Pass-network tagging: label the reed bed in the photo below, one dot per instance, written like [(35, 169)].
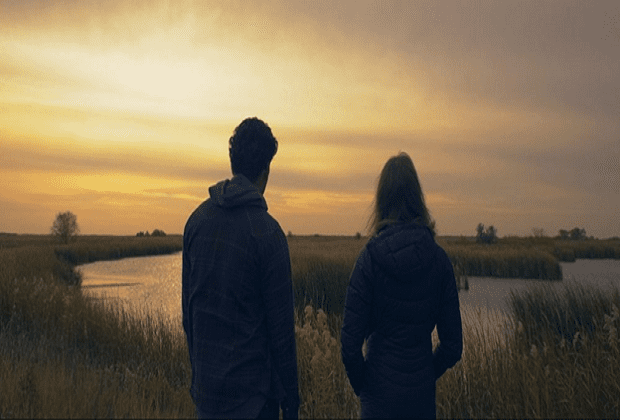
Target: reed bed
[(63, 354), (111, 248), (525, 367), (31, 262), (321, 282), (325, 391), (90, 241), (50, 376), (569, 251), (549, 314), (505, 261), (512, 259), (42, 255)]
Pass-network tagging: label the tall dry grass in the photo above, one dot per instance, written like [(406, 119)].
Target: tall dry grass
[(65, 355), (505, 261), (86, 250), (509, 258), (524, 367), (553, 355), (569, 251), (323, 385), (44, 376), (90, 241)]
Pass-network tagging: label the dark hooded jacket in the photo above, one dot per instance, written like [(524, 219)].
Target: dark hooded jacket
[(237, 301), (402, 286)]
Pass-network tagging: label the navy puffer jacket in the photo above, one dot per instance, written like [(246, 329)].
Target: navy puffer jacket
[(402, 286)]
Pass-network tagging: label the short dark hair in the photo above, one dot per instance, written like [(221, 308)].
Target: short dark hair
[(251, 148)]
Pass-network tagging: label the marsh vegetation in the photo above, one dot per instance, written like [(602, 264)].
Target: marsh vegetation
[(63, 354)]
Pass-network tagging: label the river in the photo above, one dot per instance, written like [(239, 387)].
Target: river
[(154, 283)]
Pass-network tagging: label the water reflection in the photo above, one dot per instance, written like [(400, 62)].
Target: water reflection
[(155, 282), (492, 293), (152, 282)]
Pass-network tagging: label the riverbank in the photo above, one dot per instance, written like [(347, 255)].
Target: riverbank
[(41, 256), (112, 248), (64, 355)]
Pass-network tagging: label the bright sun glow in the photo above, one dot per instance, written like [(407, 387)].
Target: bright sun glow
[(114, 104)]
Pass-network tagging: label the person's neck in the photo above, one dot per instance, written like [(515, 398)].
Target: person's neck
[(260, 183)]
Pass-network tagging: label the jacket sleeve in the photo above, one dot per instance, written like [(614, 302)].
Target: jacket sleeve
[(280, 312), (449, 327), (357, 317)]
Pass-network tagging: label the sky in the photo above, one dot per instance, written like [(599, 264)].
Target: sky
[(120, 112)]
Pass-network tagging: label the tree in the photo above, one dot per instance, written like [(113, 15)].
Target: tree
[(574, 234), (487, 237), (65, 227), (158, 232), (577, 234), (538, 232), (479, 232)]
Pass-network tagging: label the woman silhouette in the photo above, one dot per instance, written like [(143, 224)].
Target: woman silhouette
[(402, 286)]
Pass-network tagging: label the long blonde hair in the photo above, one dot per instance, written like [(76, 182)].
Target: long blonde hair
[(399, 197)]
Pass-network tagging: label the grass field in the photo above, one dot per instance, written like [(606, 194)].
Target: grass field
[(64, 355)]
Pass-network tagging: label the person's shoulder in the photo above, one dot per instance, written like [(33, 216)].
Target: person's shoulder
[(442, 260), (264, 224), (198, 214), (441, 253), (267, 236)]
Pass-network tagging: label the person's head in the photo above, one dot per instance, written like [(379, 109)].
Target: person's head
[(399, 196), (251, 148)]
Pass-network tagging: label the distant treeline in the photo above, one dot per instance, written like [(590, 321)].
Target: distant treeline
[(156, 232)]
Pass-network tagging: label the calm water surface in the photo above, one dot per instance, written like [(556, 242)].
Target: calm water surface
[(154, 283)]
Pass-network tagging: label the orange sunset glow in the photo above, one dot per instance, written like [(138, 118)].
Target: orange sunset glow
[(121, 111)]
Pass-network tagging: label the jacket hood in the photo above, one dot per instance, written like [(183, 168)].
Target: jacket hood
[(401, 250), (235, 192)]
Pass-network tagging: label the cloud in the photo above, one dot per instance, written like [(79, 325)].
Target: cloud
[(509, 108), (379, 66), (550, 53)]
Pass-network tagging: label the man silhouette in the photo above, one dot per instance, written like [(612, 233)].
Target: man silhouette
[(237, 295)]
